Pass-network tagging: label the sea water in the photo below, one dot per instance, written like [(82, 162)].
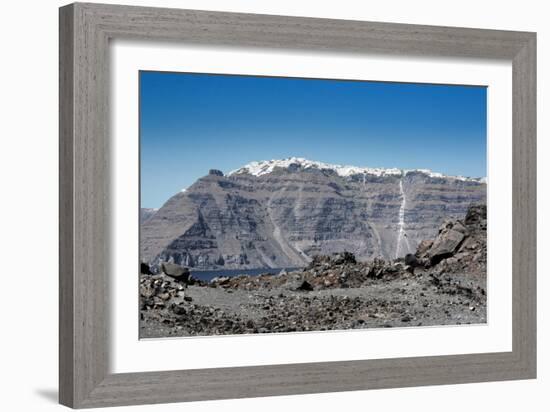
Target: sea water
[(208, 275)]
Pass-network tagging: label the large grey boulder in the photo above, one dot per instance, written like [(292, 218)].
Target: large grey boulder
[(175, 271), (423, 248), (446, 243)]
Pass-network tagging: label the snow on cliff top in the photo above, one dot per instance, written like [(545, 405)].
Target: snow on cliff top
[(267, 166)]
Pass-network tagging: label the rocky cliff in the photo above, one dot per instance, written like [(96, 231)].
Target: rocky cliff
[(145, 214), (282, 213)]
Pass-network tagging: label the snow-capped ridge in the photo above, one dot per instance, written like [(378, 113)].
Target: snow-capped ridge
[(268, 166)]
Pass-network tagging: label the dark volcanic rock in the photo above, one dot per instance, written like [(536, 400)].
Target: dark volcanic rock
[(343, 258), (305, 286), (145, 269), (460, 245), (445, 244), (411, 260)]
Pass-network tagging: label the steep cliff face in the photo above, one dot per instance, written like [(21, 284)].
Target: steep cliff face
[(281, 213)]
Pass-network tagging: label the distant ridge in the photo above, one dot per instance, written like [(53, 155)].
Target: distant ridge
[(268, 166)]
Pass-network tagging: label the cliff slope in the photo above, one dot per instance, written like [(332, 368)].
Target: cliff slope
[(282, 213)]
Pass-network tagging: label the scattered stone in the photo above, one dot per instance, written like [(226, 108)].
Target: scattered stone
[(220, 280), (145, 269), (305, 286), (179, 310), (343, 258), (146, 290), (178, 272)]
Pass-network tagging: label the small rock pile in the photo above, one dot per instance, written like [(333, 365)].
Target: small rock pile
[(340, 270), (156, 290)]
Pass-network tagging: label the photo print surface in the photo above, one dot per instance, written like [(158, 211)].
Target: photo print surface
[(277, 205)]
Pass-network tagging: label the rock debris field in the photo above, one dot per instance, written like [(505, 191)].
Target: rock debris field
[(443, 283)]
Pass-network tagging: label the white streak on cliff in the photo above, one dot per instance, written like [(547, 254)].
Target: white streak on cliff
[(401, 234)]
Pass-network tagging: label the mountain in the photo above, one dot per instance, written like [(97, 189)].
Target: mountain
[(281, 213)]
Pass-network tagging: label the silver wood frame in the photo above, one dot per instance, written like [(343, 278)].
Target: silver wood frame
[(85, 31)]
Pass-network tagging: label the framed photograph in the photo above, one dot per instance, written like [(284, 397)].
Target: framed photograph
[(304, 194)]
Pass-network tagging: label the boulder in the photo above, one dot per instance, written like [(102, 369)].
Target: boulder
[(445, 245), (145, 269), (459, 227), (424, 247), (447, 224), (411, 260), (476, 215), (343, 257), (179, 309), (378, 268), (318, 260), (305, 287), (411, 263), (146, 291), (175, 271)]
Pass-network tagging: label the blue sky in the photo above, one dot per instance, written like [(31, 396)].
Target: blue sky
[(190, 123)]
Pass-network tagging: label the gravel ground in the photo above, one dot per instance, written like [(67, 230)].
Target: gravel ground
[(423, 299)]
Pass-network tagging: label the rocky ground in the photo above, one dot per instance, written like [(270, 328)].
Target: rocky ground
[(444, 283)]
